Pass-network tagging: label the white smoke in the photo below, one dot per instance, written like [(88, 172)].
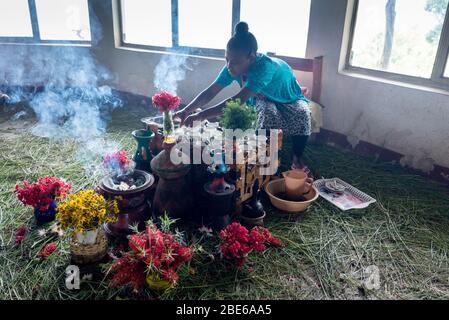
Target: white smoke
[(170, 70)]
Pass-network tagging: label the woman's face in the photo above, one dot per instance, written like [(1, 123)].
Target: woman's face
[(238, 62)]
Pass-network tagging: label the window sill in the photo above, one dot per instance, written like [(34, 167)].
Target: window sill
[(431, 89), (148, 50), (62, 44)]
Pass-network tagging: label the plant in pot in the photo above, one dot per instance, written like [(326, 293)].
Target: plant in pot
[(154, 259), (43, 196), (85, 212), (236, 116)]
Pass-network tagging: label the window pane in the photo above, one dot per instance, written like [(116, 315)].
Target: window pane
[(147, 22), (63, 20), (205, 23), (15, 19), (414, 39), (280, 26)]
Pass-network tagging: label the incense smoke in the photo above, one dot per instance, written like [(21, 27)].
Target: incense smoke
[(170, 70)]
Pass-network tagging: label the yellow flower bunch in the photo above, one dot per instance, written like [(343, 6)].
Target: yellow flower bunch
[(85, 210)]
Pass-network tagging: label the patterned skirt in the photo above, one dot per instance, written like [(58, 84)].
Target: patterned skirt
[(293, 118)]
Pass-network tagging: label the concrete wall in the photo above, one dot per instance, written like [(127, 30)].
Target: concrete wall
[(411, 121)]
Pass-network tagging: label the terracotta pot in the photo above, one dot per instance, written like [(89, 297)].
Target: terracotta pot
[(297, 184), (276, 189)]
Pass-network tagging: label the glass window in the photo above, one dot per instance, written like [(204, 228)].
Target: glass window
[(205, 23), (280, 26), (63, 20), (399, 36), (446, 73), (15, 19), (147, 22)]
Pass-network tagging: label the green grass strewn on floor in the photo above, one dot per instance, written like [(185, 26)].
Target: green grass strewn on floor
[(405, 234)]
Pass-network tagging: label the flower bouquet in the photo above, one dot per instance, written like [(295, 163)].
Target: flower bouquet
[(85, 211), (166, 103), (236, 242), (154, 259), (42, 196)]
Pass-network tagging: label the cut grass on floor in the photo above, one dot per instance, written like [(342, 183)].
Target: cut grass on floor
[(405, 234)]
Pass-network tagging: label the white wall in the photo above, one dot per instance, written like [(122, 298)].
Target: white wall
[(413, 122), (409, 121)]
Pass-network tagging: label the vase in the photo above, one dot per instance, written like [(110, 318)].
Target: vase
[(155, 282), (46, 216), (142, 156), (87, 237), (169, 128)]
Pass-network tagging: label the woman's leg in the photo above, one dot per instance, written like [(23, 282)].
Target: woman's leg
[(298, 145)]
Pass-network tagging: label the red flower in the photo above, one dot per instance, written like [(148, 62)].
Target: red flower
[(237, 242), (20, 233), (40, 194), (160, 252), (47, 250), (165, 101)]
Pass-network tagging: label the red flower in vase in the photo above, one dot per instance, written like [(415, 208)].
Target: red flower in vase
[(40, 194), (154, 250), (165, 101)]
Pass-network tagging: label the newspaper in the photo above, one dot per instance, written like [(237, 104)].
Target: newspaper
[(349, 198)]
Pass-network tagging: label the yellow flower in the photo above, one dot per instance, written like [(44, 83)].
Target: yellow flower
[(86, 209)]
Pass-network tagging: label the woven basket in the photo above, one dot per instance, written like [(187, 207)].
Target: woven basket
[(89, 253)]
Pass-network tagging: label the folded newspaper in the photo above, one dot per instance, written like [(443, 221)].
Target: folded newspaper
[(342, 194)]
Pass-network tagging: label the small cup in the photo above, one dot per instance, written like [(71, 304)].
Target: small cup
[(297, 184)]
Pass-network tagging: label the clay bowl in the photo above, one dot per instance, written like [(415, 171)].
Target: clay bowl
[(277, 187)]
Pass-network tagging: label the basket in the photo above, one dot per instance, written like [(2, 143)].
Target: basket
[(89, 253)]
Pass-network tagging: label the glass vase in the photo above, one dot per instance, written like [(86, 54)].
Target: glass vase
[(169, 136)]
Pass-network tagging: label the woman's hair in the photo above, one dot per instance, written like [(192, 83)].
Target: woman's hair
[(243, 39)]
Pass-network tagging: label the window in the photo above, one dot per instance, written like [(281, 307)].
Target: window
[(399, 37), (45, 21), (205, 26), (280, 27), (15, 19), (147, 22), (63, 20), (198, 29)]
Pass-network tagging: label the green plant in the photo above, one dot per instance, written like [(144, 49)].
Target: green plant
[(238, 116)]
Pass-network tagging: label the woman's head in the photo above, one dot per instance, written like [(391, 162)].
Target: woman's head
[(241, 50)]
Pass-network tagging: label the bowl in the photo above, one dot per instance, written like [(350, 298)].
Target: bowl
[(276, 187)]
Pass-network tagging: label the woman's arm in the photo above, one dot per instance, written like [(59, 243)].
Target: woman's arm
[(202, 99), (217, 110)]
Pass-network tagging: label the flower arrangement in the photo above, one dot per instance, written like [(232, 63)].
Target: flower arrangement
[(86, 210), (41, 194), (238, 116), (117, 162), (166, 102), (236, 242), (155, 255)]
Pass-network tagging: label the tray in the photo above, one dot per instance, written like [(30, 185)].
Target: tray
[(350, 198)]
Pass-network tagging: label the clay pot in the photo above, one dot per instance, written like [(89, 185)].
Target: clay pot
[(297, 184)]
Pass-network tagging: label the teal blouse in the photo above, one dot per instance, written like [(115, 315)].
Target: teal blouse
[(270, 77)]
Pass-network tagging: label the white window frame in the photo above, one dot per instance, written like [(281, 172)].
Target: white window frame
[(35, 39), (437, 79)]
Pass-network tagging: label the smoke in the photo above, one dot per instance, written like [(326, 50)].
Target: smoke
[(65, 87), (170, 70)]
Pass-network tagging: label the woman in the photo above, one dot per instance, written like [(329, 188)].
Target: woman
[(266, 83)]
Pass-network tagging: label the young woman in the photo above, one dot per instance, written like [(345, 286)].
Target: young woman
[(268, 84)]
